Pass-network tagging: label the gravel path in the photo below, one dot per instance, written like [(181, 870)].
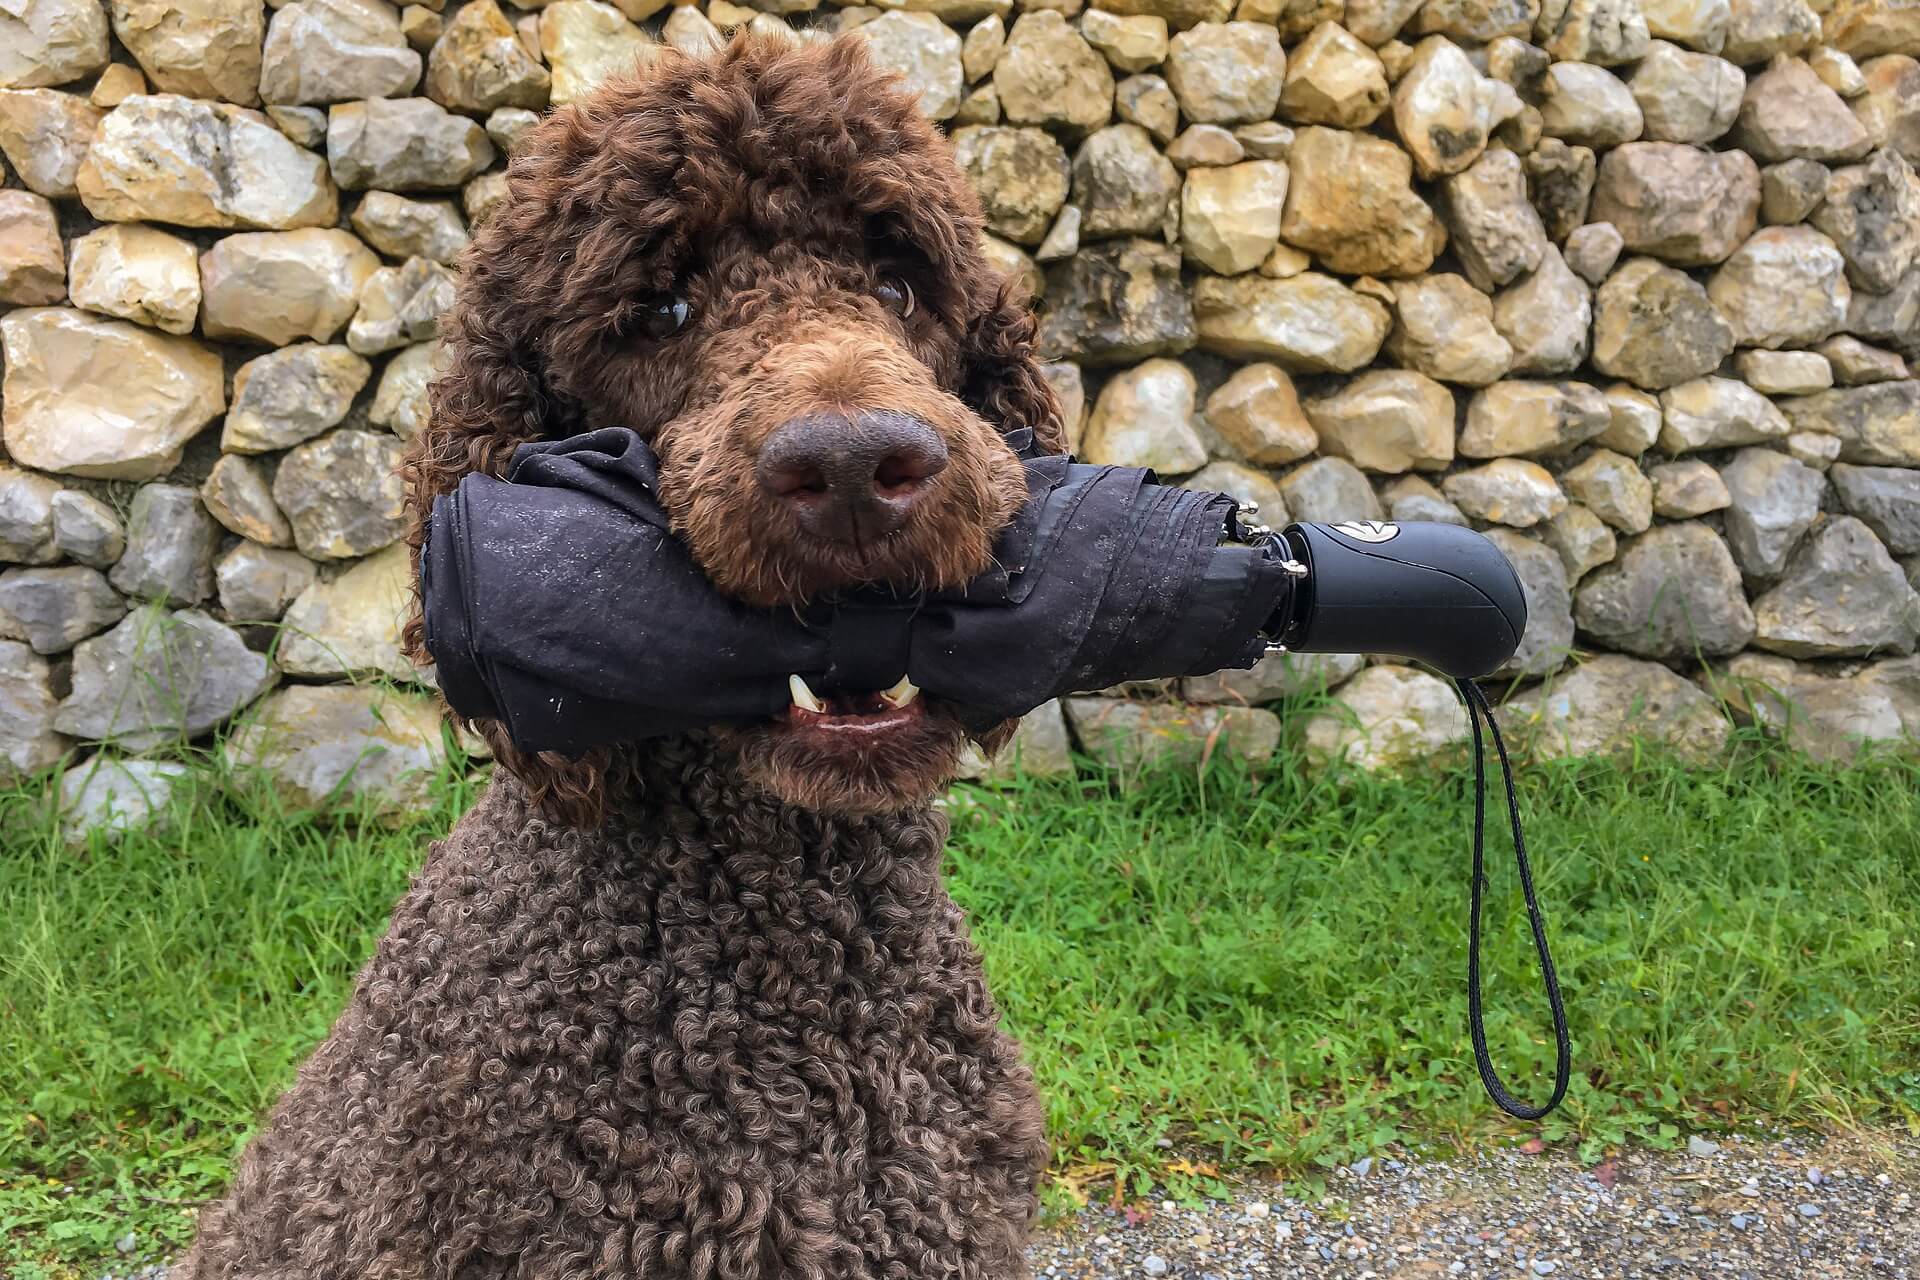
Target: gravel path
[(1770, 1210), (1801, 1208)]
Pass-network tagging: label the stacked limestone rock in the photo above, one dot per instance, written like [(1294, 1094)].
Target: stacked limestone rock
[(1634, 288)]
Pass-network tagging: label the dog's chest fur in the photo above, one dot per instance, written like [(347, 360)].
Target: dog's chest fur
[(715, 1039)]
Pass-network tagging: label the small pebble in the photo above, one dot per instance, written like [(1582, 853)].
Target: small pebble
[(1816, 1176), (1738, 1222), (125, 1243), (1701, 1147), (1155, 1265), (1809, 1210), (1258, 1209), (1544, 1268)]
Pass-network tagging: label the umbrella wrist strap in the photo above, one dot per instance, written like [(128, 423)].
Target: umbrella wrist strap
[(1477, 711)]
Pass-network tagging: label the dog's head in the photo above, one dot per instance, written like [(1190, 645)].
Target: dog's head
[(767, 263)]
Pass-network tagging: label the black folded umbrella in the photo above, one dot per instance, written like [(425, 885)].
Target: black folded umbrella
[(558, 601)]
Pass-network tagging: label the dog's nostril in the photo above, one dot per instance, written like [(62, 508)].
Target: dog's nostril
[(793, 481), (851, 478), (905, 470)]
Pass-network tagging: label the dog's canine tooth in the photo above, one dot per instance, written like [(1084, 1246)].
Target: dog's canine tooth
[(803, 697), (903, 693)]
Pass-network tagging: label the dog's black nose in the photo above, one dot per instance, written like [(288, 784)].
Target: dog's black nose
[(851, 478)]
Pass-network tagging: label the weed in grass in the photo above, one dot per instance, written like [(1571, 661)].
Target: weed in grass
[(1265, 970)]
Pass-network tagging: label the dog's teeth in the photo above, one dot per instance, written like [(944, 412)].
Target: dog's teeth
[(803, 697), (903, 693)]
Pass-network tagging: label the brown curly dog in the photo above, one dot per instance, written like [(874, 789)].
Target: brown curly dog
[(701, 1008)]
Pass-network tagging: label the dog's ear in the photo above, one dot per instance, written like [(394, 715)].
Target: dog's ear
[(1002, 381), (487, 399)]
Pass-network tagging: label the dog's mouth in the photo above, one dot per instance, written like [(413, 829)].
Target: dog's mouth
[(854, 751), (852, 717)]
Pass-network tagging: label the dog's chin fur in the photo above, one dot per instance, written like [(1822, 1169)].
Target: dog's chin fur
[(904, 772)]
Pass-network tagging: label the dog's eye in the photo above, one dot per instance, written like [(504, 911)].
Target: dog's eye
[(897, 296), (664, 315)]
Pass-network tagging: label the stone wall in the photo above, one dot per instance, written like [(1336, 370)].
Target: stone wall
[(1630, 283)]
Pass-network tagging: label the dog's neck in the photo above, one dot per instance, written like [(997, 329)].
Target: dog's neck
[(705, 859), (689, 790)]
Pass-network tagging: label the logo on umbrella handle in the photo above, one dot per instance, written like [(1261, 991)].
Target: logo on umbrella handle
[(1368, 530)]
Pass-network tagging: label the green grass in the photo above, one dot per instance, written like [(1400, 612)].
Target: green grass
[(1266, 970)]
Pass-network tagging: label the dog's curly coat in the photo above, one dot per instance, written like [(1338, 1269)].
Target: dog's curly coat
[(701, 1009)]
